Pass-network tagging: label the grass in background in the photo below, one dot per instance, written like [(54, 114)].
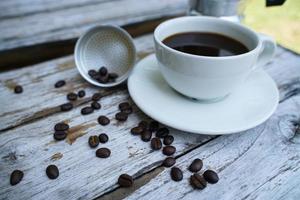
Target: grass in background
[(281, 22)]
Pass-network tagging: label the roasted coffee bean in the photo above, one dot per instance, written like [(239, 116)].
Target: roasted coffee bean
[(153, 126), (143, 124), (176, 174), (197, 181), (137, 130), (66, 106), (113, 75), (168, 140), (52, 172), (196, 165), (156, 143), (81, 93), (162, 132), (60, 135), (169, 150), (103, 71), (93, 141), (146, 136), (169, 162), (103, 138), (121, 116), (92, 73), (103, 120), (128, 111), (16, 176), (103, 79), (124, 106), (97, 96), (60, 83), (125, 180), (72, 96), (103, 153), (87, 110), (61, 127), (96, 105), (18, 89), (211, 176)]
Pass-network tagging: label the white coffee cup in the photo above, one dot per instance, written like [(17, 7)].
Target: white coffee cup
[(209, 78)]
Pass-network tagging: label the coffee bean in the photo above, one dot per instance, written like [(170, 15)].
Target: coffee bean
[(169, 162), (60, 83), (146, 136), (18, 89), (176, 174), (143, 124), (87, 110), (72, 96), (153, 126), (60, 135), (211, 176), (96, 96), (125, 180), (124, 106), (52, 172), (96, 105), (168, 140), (121, 116), (156, 143), (128, 111), (169, 150), (103, 138), (66, 107), (197, 181), (61, 127), (113, 75), (103, 120), (162, 132), (103, 71), (136, 130), (93, 141), (196, 165), (16, 176), (103, 153), (92, 73), (81, 93), (103, 79)]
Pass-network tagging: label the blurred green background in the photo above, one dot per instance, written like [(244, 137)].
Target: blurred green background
[(281, 22)]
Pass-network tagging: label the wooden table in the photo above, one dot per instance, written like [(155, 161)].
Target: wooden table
[(261, 163)]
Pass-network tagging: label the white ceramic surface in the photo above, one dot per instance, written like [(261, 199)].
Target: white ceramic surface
[(204, 77), (251, 104)]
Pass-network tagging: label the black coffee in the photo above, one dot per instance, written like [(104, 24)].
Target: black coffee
[(205, 44)]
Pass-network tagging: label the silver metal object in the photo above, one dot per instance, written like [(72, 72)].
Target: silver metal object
[(108, 46)]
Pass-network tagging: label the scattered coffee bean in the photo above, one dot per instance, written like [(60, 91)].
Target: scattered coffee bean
[(128, 111), (136, 130), (16, 176), (103, 71), (93, 141), (103, 138), (146, 135), (66, 106), (60, 83), (72, 96), (60, 135), (168, 140), (143, 124), (103, 120), (96, 105), (121, 116), (125, 180), (169, 150), (197, 181), (92, 73), (96, 96), (18, 89), (176, 174), (211, 176), (113, 75), (52, 172), (169, 162), (87, 110), (124, 106), (103, 153), (61, 127), (162, 132), (153, 126), (81, 93), (156, 143), (196, 165)]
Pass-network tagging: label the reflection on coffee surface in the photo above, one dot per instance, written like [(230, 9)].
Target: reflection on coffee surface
[(205, 44)]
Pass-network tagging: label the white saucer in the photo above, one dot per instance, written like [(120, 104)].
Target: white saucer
[(250, 105)]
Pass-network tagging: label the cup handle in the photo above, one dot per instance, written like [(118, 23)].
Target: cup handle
[(267, 50)]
